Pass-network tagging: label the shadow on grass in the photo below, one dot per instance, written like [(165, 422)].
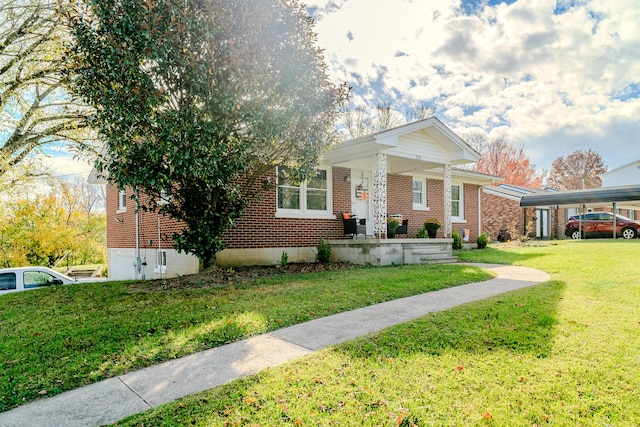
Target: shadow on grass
[(521, 321)]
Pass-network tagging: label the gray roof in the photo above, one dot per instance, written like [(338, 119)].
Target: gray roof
[(514, 192), (630, 194)]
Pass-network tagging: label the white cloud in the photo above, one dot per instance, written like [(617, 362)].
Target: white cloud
[(66, 167), (556, 76)]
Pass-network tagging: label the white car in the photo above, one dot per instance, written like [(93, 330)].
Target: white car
[(25, 278)]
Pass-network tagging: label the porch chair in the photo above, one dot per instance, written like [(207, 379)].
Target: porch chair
[(354, 226), (403, 228)]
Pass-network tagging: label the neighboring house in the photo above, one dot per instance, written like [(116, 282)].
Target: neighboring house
[(501, 210), (409, 171), (624, 175), (628, 174)]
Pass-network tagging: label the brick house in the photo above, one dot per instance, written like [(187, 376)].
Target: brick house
[(409, 171)]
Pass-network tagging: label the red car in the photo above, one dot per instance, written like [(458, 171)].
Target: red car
[(600, 224)]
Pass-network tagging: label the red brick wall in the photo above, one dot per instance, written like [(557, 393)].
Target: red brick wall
[(259, 227), (121, 227), (499, 213), (470, 194)]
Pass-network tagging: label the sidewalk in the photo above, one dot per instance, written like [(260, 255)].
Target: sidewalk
[(113, 399)]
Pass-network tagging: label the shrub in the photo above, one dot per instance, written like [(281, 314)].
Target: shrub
[(483, 240), (422, 233), (324, 251), (457, 240), (284, 259)]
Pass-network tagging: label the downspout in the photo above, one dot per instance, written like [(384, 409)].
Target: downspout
[(479, 210), (138, 263)]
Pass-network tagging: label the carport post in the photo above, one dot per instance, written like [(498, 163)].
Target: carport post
[(615, 235)]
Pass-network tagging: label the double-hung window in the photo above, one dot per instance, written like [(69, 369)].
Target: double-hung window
[(308, 199), (122, 200), (420, 194), (457, 204)]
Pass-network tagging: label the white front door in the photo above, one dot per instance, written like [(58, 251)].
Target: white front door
[(360, 197)]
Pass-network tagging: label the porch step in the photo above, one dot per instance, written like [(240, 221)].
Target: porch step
[(432, 254), (438, 259)]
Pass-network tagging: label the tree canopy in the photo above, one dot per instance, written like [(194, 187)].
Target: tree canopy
[(198, 99), (36, 108), (357, 121), (43, 228), (580, 169), (504, 159)]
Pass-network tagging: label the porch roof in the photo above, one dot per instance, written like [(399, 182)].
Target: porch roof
[(420, 146)]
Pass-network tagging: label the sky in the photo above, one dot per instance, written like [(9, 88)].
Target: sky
[(551, 76)]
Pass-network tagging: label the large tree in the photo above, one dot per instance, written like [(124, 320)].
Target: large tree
[(580, 169), (36, 109), (197, 99)]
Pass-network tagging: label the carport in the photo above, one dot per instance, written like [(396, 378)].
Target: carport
[(626, 197)]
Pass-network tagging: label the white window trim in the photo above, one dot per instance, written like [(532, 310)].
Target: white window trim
[(310, 214), (420, 206), (165, 197), (161, 262), (122, 194), (459, 219)]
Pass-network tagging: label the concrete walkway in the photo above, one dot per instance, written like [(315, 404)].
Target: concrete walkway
[(113, 399)]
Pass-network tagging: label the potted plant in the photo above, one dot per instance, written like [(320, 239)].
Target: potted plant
[(432, 225), (392, 225)]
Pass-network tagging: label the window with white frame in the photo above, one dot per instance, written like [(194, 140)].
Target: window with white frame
[(165, 197), (457, 211), (161, 262), (305, 199), (122, 200), (420, 194)]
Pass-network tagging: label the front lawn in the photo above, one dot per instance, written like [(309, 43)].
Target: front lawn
[(563, 353), (60, 338)]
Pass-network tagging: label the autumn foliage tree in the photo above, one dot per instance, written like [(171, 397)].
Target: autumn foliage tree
[(197, 99), (508, 161), (42, 228), (580, 169)]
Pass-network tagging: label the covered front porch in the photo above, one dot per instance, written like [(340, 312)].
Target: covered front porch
[(422, 150), (392, 251)]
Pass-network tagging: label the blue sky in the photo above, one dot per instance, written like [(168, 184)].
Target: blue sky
[(554, 76)]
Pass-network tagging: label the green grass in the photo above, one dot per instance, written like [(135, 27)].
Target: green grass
[(563, 353), (61, 338)]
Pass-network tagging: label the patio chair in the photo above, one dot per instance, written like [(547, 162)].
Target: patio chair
[(403, 228), (354, 226)]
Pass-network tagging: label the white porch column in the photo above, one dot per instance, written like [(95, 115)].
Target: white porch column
[(380, 196), (447, 201)]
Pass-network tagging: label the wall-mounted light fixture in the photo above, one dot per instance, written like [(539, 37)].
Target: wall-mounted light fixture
[(347, 179), (119, 220)]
